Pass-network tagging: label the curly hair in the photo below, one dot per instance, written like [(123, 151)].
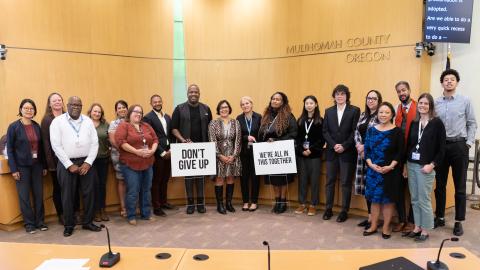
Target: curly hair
[(283, 113)]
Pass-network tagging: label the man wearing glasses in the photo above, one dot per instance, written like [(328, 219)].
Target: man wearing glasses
[(75, 142)]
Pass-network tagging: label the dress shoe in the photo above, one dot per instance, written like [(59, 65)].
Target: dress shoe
[(328, 214), (159, 212), (367, 233), (438, 222), (245, 207), (457, 229), (68, 232), (386, 236), (342, 216), (91, 227), (282, 208), (363, 223), (253, 207), (201, 209), (421, 238), (190, 209), (168, 206)]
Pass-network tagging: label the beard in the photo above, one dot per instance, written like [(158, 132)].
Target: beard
[(407, 98), (158, 109)]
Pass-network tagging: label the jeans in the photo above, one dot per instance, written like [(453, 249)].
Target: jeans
[(420, 185), (138, 182)]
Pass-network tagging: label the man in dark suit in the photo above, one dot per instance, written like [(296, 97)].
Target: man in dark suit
[(161, 123), (338, 130)]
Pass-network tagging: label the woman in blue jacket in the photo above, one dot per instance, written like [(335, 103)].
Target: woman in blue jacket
[(27, 163)]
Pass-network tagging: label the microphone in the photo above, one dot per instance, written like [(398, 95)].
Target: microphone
[(265, 243), (109, 259), (438, 265)]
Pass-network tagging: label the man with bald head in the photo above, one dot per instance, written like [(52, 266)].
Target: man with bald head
[(75, 142), (190, 124)]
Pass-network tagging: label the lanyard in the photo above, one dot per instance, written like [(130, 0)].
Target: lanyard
[(77, 131), (271, 123), (249, 125), (420, 133), (307, 128)]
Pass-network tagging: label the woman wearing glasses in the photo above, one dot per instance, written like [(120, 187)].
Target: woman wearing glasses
[(137, 143)]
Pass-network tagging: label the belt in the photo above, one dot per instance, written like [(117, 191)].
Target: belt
[(456, 139), (77, 159)]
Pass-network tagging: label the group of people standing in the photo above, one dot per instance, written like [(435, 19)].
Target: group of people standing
[(385, 149)]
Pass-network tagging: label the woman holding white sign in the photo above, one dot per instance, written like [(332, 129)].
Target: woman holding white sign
[(249, 124), (278, 123), (309, 149), (225, 132)]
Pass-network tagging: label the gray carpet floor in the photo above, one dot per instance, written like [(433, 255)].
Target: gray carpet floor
[(245, 230)]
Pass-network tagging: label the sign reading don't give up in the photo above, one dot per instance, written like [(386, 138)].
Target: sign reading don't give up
[(193, 159), (274, 157)]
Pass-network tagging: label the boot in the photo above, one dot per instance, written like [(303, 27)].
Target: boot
[(228, 202), (190, 206), (276, 206), (219, 197), (283, 206), (201, 205)]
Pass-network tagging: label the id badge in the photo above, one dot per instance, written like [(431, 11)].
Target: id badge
[(34, 155), (415, 156), (306, 145), (168, 143)]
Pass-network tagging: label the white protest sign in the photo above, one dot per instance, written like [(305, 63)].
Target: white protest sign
[(274, 157), (193, 159)]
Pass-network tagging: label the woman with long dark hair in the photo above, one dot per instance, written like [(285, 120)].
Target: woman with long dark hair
[(367, 119), (309, 149), (278, 123)]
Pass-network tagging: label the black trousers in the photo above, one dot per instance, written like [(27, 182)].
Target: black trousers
[(101, 167), (248, 174), (56, 193), (189, 183), (68, 182), (31, 180), (456, 156), (347, 170), (161, 175)]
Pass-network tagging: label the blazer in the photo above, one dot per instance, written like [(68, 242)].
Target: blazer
[(19, 149), (256, 120), (164, 140), (343, 134)]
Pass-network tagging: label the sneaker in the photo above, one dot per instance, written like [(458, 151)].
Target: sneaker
[(301, 208), (30, 230), (43, 227), (133, 222), (312, 211)]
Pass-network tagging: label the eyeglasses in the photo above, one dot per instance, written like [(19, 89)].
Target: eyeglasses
[(28, 109), (139, 112), (224, 107), (372, 98)]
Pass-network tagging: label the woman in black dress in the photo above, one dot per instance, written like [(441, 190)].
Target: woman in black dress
[(278, 123)]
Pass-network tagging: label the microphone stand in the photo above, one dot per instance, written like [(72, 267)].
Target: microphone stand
[(438, 265), (265, 243), (109, 259)]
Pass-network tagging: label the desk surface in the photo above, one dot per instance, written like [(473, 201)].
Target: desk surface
[(20, 256), (320, 259)]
